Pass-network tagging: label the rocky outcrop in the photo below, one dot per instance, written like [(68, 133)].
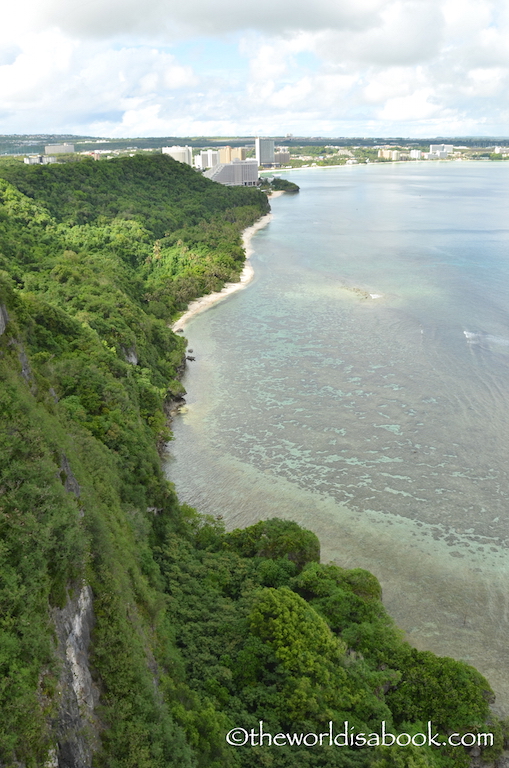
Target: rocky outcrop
[(4, 318), (66, 474), (26, 371), (130, 355), (77, 727), (478, 762)]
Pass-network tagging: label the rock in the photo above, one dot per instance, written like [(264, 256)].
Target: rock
[(26, 371), (76, 727), (4, 318), (130, 355), (70, 483), (190, 358)]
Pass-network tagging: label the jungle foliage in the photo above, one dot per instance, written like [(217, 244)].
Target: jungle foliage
[(197, 630)]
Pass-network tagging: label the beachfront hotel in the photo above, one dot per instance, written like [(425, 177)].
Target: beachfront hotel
[(264, 151), (240, 173)]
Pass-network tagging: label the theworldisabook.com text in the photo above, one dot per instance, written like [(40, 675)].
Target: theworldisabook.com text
[(348, 737)]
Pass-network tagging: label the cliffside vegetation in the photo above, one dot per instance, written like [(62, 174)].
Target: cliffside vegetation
[(196, 630)]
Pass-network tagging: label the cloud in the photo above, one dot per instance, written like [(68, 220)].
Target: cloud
[(78, 83), (120, 67), (416, 106), (100, 18)]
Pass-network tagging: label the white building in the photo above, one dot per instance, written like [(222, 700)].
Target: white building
[(415, 154), (264, 151), (58, 149), (182, 154), (448, 148), (39, 160), (240, 173), (208, 158)]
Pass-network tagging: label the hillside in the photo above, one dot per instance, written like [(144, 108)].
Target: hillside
[(134, 632)]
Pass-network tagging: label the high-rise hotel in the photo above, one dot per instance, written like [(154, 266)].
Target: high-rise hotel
[(264, 151)]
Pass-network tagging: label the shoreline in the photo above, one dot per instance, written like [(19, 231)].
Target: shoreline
[(204, 302), (389, 162)]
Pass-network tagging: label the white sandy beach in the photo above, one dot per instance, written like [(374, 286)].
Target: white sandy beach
[(204, 302)]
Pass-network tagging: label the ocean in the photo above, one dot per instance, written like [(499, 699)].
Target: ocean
[(360, 385)]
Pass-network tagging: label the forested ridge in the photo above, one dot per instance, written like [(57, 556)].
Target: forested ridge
[(193, 630)]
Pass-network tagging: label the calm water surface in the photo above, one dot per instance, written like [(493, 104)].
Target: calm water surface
[(379, 423)]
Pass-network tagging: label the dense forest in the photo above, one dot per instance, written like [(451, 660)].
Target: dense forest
[(134, 632)]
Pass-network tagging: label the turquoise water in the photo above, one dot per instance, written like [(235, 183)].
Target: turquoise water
[(359, 385)]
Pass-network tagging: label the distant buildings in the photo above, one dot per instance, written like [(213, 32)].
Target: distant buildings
[(264, 151), (436, 148), (39, 160), (225, 154), (240, 173), (207, 158), (436, 152), (239, 153), (282, 156), (389, 154), (58, 149), (182, 154), (229, 154)]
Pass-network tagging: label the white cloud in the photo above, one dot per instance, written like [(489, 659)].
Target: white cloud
[(80, 82), (99, 18), (391, 83), (364, 66), (416, 106)]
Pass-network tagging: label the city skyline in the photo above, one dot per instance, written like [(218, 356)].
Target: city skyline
[(366, 68)]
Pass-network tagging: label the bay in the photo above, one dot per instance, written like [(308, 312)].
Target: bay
[(359, 386)]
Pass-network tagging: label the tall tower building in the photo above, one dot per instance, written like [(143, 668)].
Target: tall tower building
[(264, 150)]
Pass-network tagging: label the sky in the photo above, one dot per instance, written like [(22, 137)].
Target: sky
[(127, 68)]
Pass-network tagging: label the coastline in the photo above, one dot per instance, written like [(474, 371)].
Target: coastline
[(204, 302), (389, 162)]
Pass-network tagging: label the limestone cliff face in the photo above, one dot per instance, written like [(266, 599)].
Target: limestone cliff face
[(4, 318), (77, 727)]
